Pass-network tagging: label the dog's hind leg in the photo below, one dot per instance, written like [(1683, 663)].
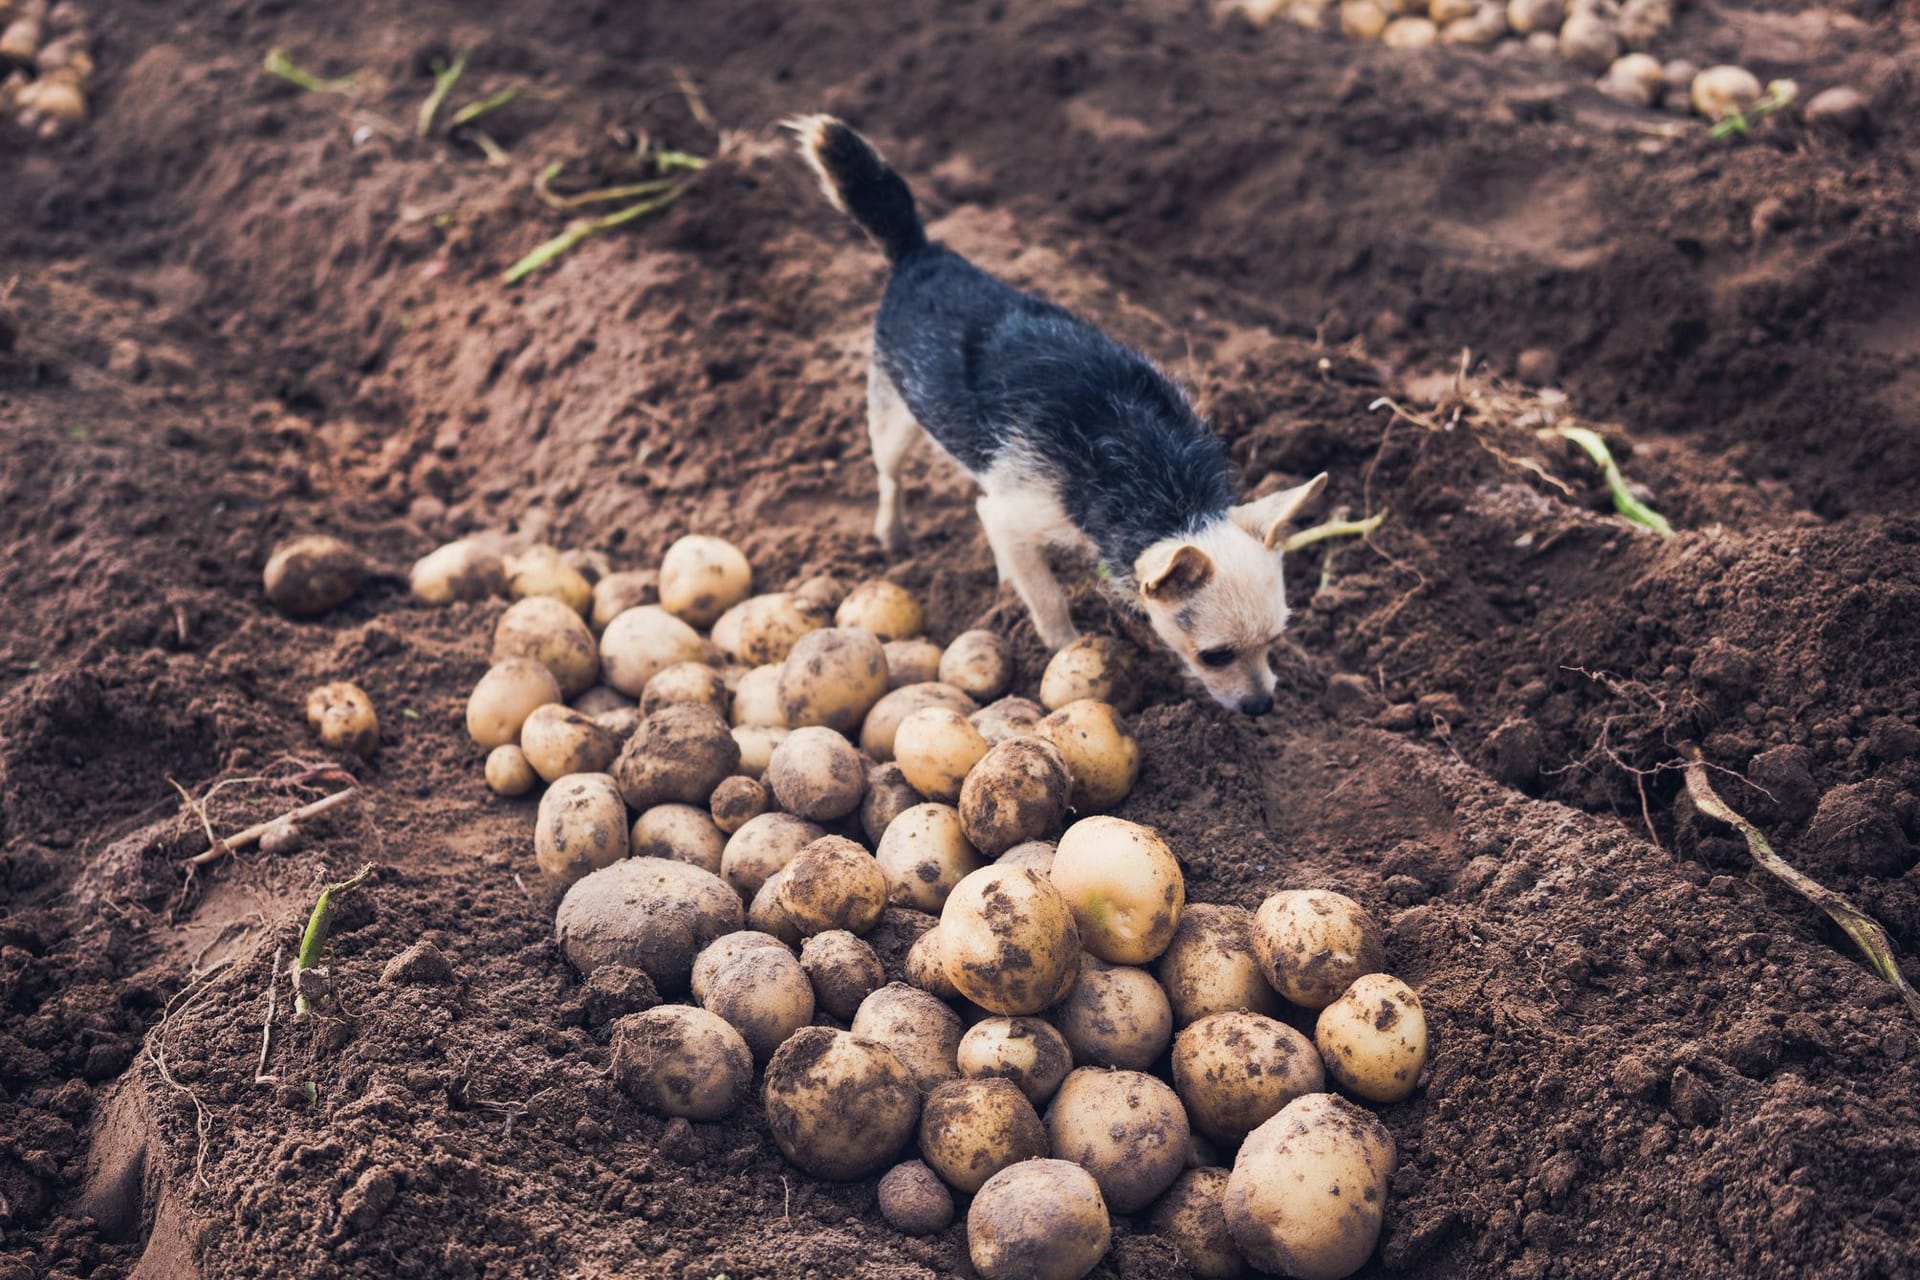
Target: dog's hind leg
[(1017, 530), (891, 428)]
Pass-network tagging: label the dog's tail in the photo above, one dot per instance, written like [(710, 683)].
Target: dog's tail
[(860, 184)]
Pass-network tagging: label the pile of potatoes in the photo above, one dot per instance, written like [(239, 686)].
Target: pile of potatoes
[(46, 65)]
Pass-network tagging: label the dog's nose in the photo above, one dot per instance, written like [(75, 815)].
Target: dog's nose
[(1256, 706)]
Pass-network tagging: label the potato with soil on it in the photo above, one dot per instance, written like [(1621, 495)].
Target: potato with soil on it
[(1313, 943), (1193, 1219), (1008, 940), (756, 744), (923, 855), (914, 661), (544, 571), (1308, 1188), (914, 1201), (926, 966), (1018, 792), (508, 773), (545, 630), (692, 684), (558, 741), (844, 971), (1102, 756), (883, 721), (1126, 1128), (581, 827), (641, 643), (1012, 717), (1209, 967), (883, 608), (462, 570), (1233, 1070), (1038, 1220), (1373, 1039), (972, 1129), (616, 593), (832, 677), (310, 575), (1114, 1016), (1037, 854), (678, 754), (766, 914), (822, 592), (918, 1027), (650, 914), (702, 577), (815, 773), (738, 801), (764, 629), (839, 1106), (979, 664), (723, 951), (510, 692), (600, 700), (756, 699), (763, 846), (936, 748), (889, 795), (681, 832), (680, 1061), (763, 994), (342, 714), (1124, 886), (1091, 667), (833, 883), (1029, 1052)]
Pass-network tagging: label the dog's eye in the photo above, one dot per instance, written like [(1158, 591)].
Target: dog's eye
[(1217, 657)]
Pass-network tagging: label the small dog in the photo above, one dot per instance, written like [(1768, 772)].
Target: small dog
[(1074, 439)]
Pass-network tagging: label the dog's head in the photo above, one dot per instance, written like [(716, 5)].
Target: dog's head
[(1215, 596)]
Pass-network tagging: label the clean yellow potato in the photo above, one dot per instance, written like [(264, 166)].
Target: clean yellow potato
[(310, 575), (680, 1061), (1114, 1016), (766, 914), (883, 720), (505, 697), (580, 828), (543, 571), (508, 772), (547, 631), (926, 966), (686, 683), (702, 577), (1234, 1070), (738, 801), (1008, 940), (651, 914), (883, 608), (1209, 967), (1192, 1218), (1038, 1220), (1018, 792), (1308, 1188), (641, 643), (764, 995), (679, 753), (756, 744), (1719, 92), (342, 714), (756, 700), (923, 855), (1102, 757), (819, 1078), (764, 629), (832, 677), (833, 883), (616, 593), (936, 748), (1373, 1039), (889, 795), (1028, 1051), (1313, 943), (972, 1129), (558, 741), (844, 971), (1091, 667), (1125, 1128), (1124, 886), (766, 844), (1011, 717), (462, 570), (914, 1201), (979, 664), (681, 832), (1037, 854), (922, 1032), (815, 773), (722, 951), (914, 661)]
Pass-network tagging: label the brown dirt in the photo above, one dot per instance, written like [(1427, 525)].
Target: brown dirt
[(236, 324)]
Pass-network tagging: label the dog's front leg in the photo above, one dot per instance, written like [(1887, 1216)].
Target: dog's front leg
[(1020, 555)]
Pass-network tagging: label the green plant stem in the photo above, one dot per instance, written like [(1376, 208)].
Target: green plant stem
[(542, 187), (277, 63), (546, 253), (313, 943), (474, 110), (444, 78), (1623, 500), (1333, 529)]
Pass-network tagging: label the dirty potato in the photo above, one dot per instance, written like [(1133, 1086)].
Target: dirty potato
[(766, 844), (342, 714), (756, 699), (508, 773), (581, 827), (1126, 1128), (883, 608), (1018, 792), (1008, 940), (1308, 1188), (558, 740), (815, 773), (889, 795), (641, 643), (822, 593), (544, 571), (832, 677), (936, 748), (1192, 1218), (1373, 1039), (914, 1201), (1313, 943), (681, 832), (1209, 967), (616, 593), (310, 575), (1102, 757), (1091, 667), (979, 664), (918, 1027), (1114, 1016), (833, 883), (1038, 1220), (883, 721), (650, 914), (819, 1079), (738, 801), (462, 570), (680, 1061), (1027, 1051), (766, 914), (702, 577), (545, 630), (914, 661), (1012, 717), (972, 1129), (1124, 886), (926, 966), (693, 684), (1037, 854), (510, 691), (923, 854), (722, 951), (844, 971), (764, 629), (678, 754), (1233, 1070), (763, 994), (756, 744)]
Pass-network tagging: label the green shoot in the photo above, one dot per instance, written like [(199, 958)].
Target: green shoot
[(1779, 93), (444, 78), (679, 160), (549, 252), (1333, 529), (474, 110), (277, 63), (313, 943), (495, 153), (1623, 500), (542, 187)]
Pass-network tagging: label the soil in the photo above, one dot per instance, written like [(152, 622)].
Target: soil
[(237, 312)]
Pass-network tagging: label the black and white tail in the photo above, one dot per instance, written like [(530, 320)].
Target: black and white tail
[(860, 184)]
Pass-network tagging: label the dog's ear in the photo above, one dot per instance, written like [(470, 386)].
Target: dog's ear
[(1171, 575), (1266, 518)]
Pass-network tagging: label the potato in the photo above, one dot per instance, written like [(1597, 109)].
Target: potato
[(838, 1105), (1588, 40), (693, 684), (738, 801), (722, 951), (1091, 667), (679, 754), (1018, 792), (681, 1061), (936, 748), (767, 915), (558, 740), (342, 714), (911, 662), (757, 698), (1008, 718), (822, 593), (1124, 887), (914, 1201), (1312, 944), (1373, 1039), (972, 1129), (763, 994), (1529, 16), (641, 643), (1038, 1220), (616, 593), (817, 774), (581, 827), (680, 832), (926, 966), (545, 630), (922, 1032), (1114, 1016), (500, 704), (1719, 92), (833, 883), (1410, 33), (1102, 757), (1233, 1070), (650, 914), (463, 570), (883, 720), (621, 722), (1308, 1188), (923, 855), (766, 844), (1028, 1051), (599, 700), (1209, 967), (508, 772), (884, 608), (703, 577), (310, 575), (832, 677), (1193, 1220), (844, 971), (756, 744), (543, 571), (889, 795), (764, 629), (1362, 19), (979, 664), (1125, 1128), (1008, 940), (1037, 854)]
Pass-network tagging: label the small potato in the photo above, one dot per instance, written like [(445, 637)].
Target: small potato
[(1373, 1039), (819, 1080), (1209, 967), (767, 915), (883, 721), (979, 664), (914, 1201), (766, 844), (543, 571), (923, 855), (580, 828), (310, 575), (1125, 1128), (723, 951), (1589, 40), (764, 995), (650, 914), (1308, 1188), (738, 801), (599, 700), (1038, 1220), (558, 740), (1114, 1016), (1233, 1070), (922, 1032), (1193, 1220), (1008, 940), (686, 683), (833, 883), (936, 748), (678, 753), (926, 966), (817, 774), (844, 971), (1029, 1052), (505, 697), (1037, 854), (1008, 718), (1018, 792), (1091, 667), (757, 698), (641, 643), (822, 593), (703, 577), (680, 1061), (832, 677), (1102, 757), (764, 629), (463, 570), (889, 795), (1312, 944), (342, 714), (884, 608), (545, 630), (1124, 886), (616, 593), (756, 744), (972, 1129), (680, 832), (911, 662), (1719, 92), (508, 772)]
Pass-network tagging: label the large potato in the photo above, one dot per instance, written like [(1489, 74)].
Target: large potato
[(883, 721), (1313, 943), (681, 832), (686, 683), (832, 677), (889, 795), (923, 855), (1233, 1070), (1192, 1218), (723, 951), (1091, 667), (1114, 1016), (1103, 759), (463, 570), (1209, 967), (342, 714), (641, 643), (310, 575), (756, 744), (545, 630), (833, 883), (972, 1129), (616, 593), (936, 748), (505, 697), (738, 801), (839, 1106), (1308, 1188), (1008, 718), (1008, 940), (649, 914), (1038, 1220), (1125, 1128), (911, 662), (1373, 1039), (766, 844), (979, 664), (817, 774), (844, 971), (681, 1061), (558, 740), (919, 1028), (756, 699), (1027, 1051), (703, 577), (1018, 792), (543, 571), (678, 753), (508, 772), (764, 629), (883, 608), (1124, 886), (764, 995), (926, 966), (580, 828)]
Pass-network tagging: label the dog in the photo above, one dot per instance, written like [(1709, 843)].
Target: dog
[(1074, 439)]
